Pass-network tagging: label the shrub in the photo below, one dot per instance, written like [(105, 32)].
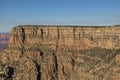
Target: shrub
[(2, 75)]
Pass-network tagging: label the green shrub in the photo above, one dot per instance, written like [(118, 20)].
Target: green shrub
[(2, 75)]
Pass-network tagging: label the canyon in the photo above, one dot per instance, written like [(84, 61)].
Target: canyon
[(4, 39), (56, 52)]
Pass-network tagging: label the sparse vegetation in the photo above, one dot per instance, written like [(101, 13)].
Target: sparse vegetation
[(36, 57), (2, 75)]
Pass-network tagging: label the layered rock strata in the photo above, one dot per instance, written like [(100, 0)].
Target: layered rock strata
[(62, 53), (75, 38)]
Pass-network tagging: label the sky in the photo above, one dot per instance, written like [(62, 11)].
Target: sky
[(58, 12)]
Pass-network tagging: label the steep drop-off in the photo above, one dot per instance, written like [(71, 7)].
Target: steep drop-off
[(74, 38), (62, 53)]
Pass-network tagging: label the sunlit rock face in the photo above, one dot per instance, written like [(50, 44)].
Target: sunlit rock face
[(71, 37), (42, 52)]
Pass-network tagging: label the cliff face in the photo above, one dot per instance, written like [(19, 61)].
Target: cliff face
[(75, 38), (62, 53)]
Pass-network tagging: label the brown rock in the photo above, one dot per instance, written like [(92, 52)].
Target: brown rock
[(61, 53), (75, 38)]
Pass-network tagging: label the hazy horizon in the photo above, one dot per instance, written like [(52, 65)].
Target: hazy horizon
[(58, 12)]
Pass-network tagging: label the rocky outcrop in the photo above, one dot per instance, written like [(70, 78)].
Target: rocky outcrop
[(61, 53), (73, 37)]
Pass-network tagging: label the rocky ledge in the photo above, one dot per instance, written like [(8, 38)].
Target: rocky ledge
[(41, 52)]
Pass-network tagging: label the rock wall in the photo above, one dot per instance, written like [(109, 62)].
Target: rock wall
[(61, 53), (71, 37)]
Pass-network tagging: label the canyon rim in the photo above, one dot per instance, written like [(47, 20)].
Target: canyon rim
[(46, 52)]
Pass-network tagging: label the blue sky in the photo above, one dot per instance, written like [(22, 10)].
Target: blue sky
[(58, 12)]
